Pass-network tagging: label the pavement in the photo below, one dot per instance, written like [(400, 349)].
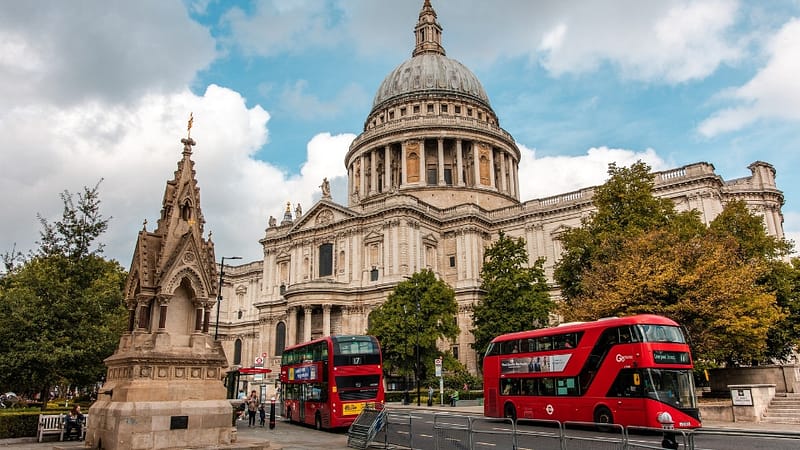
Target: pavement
[(287, 436)]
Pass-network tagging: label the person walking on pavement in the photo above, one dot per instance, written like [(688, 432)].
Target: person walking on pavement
[(252, 408), (430, 395)]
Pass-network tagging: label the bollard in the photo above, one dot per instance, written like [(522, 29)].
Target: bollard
[(272, 413), (667, 425)]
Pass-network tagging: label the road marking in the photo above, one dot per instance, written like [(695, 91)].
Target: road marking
[(426, 435), (488, 444)]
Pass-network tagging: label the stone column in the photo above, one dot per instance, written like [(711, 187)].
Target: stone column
[(476, 166), (291, 326), (326, 320), (362, 182), (503, 185), (404, 165), (373, 157), (423, 165), (306, 323), (440, 148), (492, 181), (459, 164), (387, 168), (144, 313)]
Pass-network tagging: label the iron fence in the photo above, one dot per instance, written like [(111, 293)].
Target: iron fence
[(452, 431)]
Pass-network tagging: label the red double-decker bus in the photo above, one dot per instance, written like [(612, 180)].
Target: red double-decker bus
[(328, 381), (625, 370)]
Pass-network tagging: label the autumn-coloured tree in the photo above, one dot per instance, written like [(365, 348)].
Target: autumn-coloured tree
[(637, 255)]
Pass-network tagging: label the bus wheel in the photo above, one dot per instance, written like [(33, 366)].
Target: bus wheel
[(510, 412), (602, 415), (318, 421)]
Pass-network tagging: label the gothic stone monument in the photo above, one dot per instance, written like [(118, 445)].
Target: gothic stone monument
[(164, 385)]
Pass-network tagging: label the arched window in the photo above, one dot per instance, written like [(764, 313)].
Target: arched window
[(237, 352), (280, 338)]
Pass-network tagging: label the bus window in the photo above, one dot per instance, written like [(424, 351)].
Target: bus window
[(510, 386), (662, 333), (544, 343)]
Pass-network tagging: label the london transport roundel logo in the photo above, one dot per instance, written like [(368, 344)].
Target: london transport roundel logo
[(549, 409)]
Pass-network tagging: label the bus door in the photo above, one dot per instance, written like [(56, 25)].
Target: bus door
[(301, 405), (627, 396)]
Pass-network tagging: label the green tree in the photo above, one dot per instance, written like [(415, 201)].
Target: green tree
[(420, 312), (61, 311), (637, 255), (625, 207), (517, 297), (784, 337)]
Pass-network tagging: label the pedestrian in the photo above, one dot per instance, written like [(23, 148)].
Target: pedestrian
[(454, 397), (252, 408), (262, 414), (430, 395)]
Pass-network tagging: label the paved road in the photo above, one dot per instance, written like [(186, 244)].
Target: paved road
[(295, 437)]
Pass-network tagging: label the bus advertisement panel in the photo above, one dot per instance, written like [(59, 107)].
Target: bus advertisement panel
[(624, 370), (328, 382)]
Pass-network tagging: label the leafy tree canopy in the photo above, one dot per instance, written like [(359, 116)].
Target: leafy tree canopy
[(516, 296), (61, 308), (637, 255), (420, 312)]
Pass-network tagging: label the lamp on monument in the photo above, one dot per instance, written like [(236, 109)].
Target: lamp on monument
[(219, 290)]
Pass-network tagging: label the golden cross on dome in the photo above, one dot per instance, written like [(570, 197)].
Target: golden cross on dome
[(189, 126)]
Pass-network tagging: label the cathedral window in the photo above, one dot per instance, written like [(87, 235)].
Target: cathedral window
[(457, 109), (186, 210), (416, 109), (326, 260), (452, 261), (402, 112), (430, 108), (469, 112), (444, 108), (280, 338), (237, 352), (391, 115)]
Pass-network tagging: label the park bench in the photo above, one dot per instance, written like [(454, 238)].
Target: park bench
[(56, 424)]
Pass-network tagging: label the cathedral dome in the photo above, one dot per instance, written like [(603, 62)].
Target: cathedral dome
[(430, 72)]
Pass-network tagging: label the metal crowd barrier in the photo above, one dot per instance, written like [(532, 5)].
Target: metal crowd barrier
[(466, 432)]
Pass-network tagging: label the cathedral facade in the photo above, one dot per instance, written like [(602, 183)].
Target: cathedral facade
[(432, 181)]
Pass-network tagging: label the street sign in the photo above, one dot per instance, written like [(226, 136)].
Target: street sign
[(438, 364), (259, 361)]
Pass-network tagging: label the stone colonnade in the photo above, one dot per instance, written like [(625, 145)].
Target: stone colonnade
[(433, 162)]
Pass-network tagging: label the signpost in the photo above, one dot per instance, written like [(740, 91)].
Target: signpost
[(438, 365)]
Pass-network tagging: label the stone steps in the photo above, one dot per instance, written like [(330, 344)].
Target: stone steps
[(784, 408)]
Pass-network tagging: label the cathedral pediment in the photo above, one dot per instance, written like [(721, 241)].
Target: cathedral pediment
[(322, 214)]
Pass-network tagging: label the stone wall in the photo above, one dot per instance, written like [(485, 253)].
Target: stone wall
[(785, 378)]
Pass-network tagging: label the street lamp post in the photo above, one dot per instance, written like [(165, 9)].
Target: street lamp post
[(219, 291), (416, 319)]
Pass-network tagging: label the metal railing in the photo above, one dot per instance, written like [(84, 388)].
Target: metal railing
[(452, 431)]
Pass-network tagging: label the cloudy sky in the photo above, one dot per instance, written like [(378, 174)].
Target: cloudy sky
[(93, 90)]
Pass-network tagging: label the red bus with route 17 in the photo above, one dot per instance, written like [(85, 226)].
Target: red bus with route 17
[(328, 381), (624, 370)]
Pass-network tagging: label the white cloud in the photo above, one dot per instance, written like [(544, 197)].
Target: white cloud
[(553, 175), (85, 143), (671, 42), (102, 51), (773, 93)]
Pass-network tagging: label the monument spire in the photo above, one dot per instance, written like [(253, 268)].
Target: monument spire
[(428, 32)]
